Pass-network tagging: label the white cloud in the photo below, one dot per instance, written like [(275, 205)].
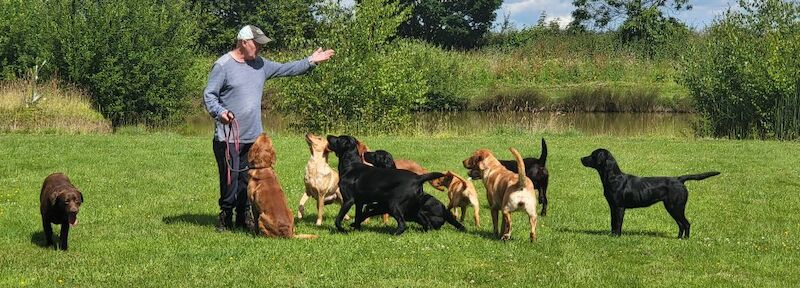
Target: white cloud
[(563, 21), (526, 12)]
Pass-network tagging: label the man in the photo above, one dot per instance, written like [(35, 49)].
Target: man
[(233, 98)]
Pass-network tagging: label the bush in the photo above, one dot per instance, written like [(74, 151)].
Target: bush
[(744, 77), (445, 74), (369, 86), (130, 55), (25, 40)]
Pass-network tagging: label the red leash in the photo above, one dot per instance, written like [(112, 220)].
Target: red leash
[(232, 135)]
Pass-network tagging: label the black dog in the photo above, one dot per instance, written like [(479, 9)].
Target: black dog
[(380, 159), (628, 191), (59, 203), (427, 211), (535, 169), (360, 184)]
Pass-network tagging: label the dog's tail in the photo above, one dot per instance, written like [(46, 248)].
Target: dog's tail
[(429, 176), (543, 157), (702, 176), (520, 166), (305, 236)]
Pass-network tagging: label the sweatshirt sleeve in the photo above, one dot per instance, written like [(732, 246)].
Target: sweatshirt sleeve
[(216, 79), (294, 68)]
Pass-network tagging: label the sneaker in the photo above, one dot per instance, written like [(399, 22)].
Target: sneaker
[(224, 221)]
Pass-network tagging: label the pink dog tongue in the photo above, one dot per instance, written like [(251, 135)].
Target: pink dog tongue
[(73, 220)]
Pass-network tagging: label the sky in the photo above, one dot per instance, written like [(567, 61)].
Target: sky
[(524, 13)]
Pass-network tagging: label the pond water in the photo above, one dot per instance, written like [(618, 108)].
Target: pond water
[(612, 124)]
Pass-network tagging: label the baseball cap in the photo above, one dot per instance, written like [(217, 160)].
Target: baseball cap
[(252, 32)]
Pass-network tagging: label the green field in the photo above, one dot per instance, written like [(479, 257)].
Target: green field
[(151, 203)]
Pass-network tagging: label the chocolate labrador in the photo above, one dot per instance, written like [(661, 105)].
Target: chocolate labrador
[(59, 203)]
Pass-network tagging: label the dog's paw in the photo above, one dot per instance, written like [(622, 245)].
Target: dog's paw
[(505, 237), (355, 226), (319, 222)]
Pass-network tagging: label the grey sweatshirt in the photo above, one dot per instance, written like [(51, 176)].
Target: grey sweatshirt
[(238, 87)]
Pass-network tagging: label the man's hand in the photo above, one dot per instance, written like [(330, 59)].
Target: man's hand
[(320, 56), (226, 117)]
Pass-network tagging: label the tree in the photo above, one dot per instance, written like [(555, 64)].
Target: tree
[(602, 13), (642, 21), (287, 22), (450, 23)]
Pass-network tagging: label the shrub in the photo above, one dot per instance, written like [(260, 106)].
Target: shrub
[(370, 85), (130, 55), (445, 74), (25, 39), (744, 77)]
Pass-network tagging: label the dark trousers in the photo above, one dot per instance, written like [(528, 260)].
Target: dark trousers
[(233, 195)]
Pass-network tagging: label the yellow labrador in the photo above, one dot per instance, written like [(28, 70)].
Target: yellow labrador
[(506, 191)]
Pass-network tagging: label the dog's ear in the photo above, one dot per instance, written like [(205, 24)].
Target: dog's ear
[(602, 157), (361, 147), (53, 197), (479, 157), (81, 196)]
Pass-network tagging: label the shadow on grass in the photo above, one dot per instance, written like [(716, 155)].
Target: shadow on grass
[(38, 239), (484, 234), (192, 218), (373, 224), (608, 232)]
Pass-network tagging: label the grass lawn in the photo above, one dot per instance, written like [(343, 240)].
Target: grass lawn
[(151, 203)]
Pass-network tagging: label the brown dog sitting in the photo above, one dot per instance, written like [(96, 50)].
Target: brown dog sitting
[(505, 190), (322, 182), (461, 193), (272, 215), (59, 203)]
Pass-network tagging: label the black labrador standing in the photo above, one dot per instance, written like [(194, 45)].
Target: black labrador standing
[(360, 184), (535, 169), (627, 191)]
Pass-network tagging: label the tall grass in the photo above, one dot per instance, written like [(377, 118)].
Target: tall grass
[(63, 109)]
